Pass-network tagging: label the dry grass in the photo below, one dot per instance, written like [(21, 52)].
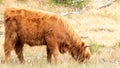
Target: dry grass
[(100, 27)]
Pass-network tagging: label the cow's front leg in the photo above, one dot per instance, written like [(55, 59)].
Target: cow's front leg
[(49, 55), (55, 52), (52, 48), (56, 55)]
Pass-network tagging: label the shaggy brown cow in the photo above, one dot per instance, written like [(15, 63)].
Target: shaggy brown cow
[(41, 28)]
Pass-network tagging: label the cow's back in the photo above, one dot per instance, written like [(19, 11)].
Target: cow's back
[(28, 25)]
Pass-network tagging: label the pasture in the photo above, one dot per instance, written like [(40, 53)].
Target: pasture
[(100, 28)]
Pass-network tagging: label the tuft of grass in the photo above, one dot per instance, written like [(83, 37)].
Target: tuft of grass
[(117, 45), (95, 47)]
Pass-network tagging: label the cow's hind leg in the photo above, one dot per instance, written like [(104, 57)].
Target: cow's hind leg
[(7, 50), (10, 40), (19, 51)]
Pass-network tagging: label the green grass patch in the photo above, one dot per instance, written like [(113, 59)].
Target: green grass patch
[(117, 45), (21, 0), (1, 1), (75, 3), (95, 47)]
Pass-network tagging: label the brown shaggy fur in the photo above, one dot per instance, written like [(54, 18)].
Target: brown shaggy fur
[(41, 28)]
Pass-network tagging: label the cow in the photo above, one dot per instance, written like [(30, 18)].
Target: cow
[(37, 28)]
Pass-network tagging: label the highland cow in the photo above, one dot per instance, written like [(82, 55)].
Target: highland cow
[(41, 28)]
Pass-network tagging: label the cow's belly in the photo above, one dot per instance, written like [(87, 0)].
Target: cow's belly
[(35, 42), (32, 38)]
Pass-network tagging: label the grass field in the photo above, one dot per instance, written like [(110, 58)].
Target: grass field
[(99, 27)]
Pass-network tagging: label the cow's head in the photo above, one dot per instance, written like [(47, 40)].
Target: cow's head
[(80, 52)]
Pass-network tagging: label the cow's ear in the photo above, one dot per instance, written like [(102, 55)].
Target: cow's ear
[(82, 44)]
